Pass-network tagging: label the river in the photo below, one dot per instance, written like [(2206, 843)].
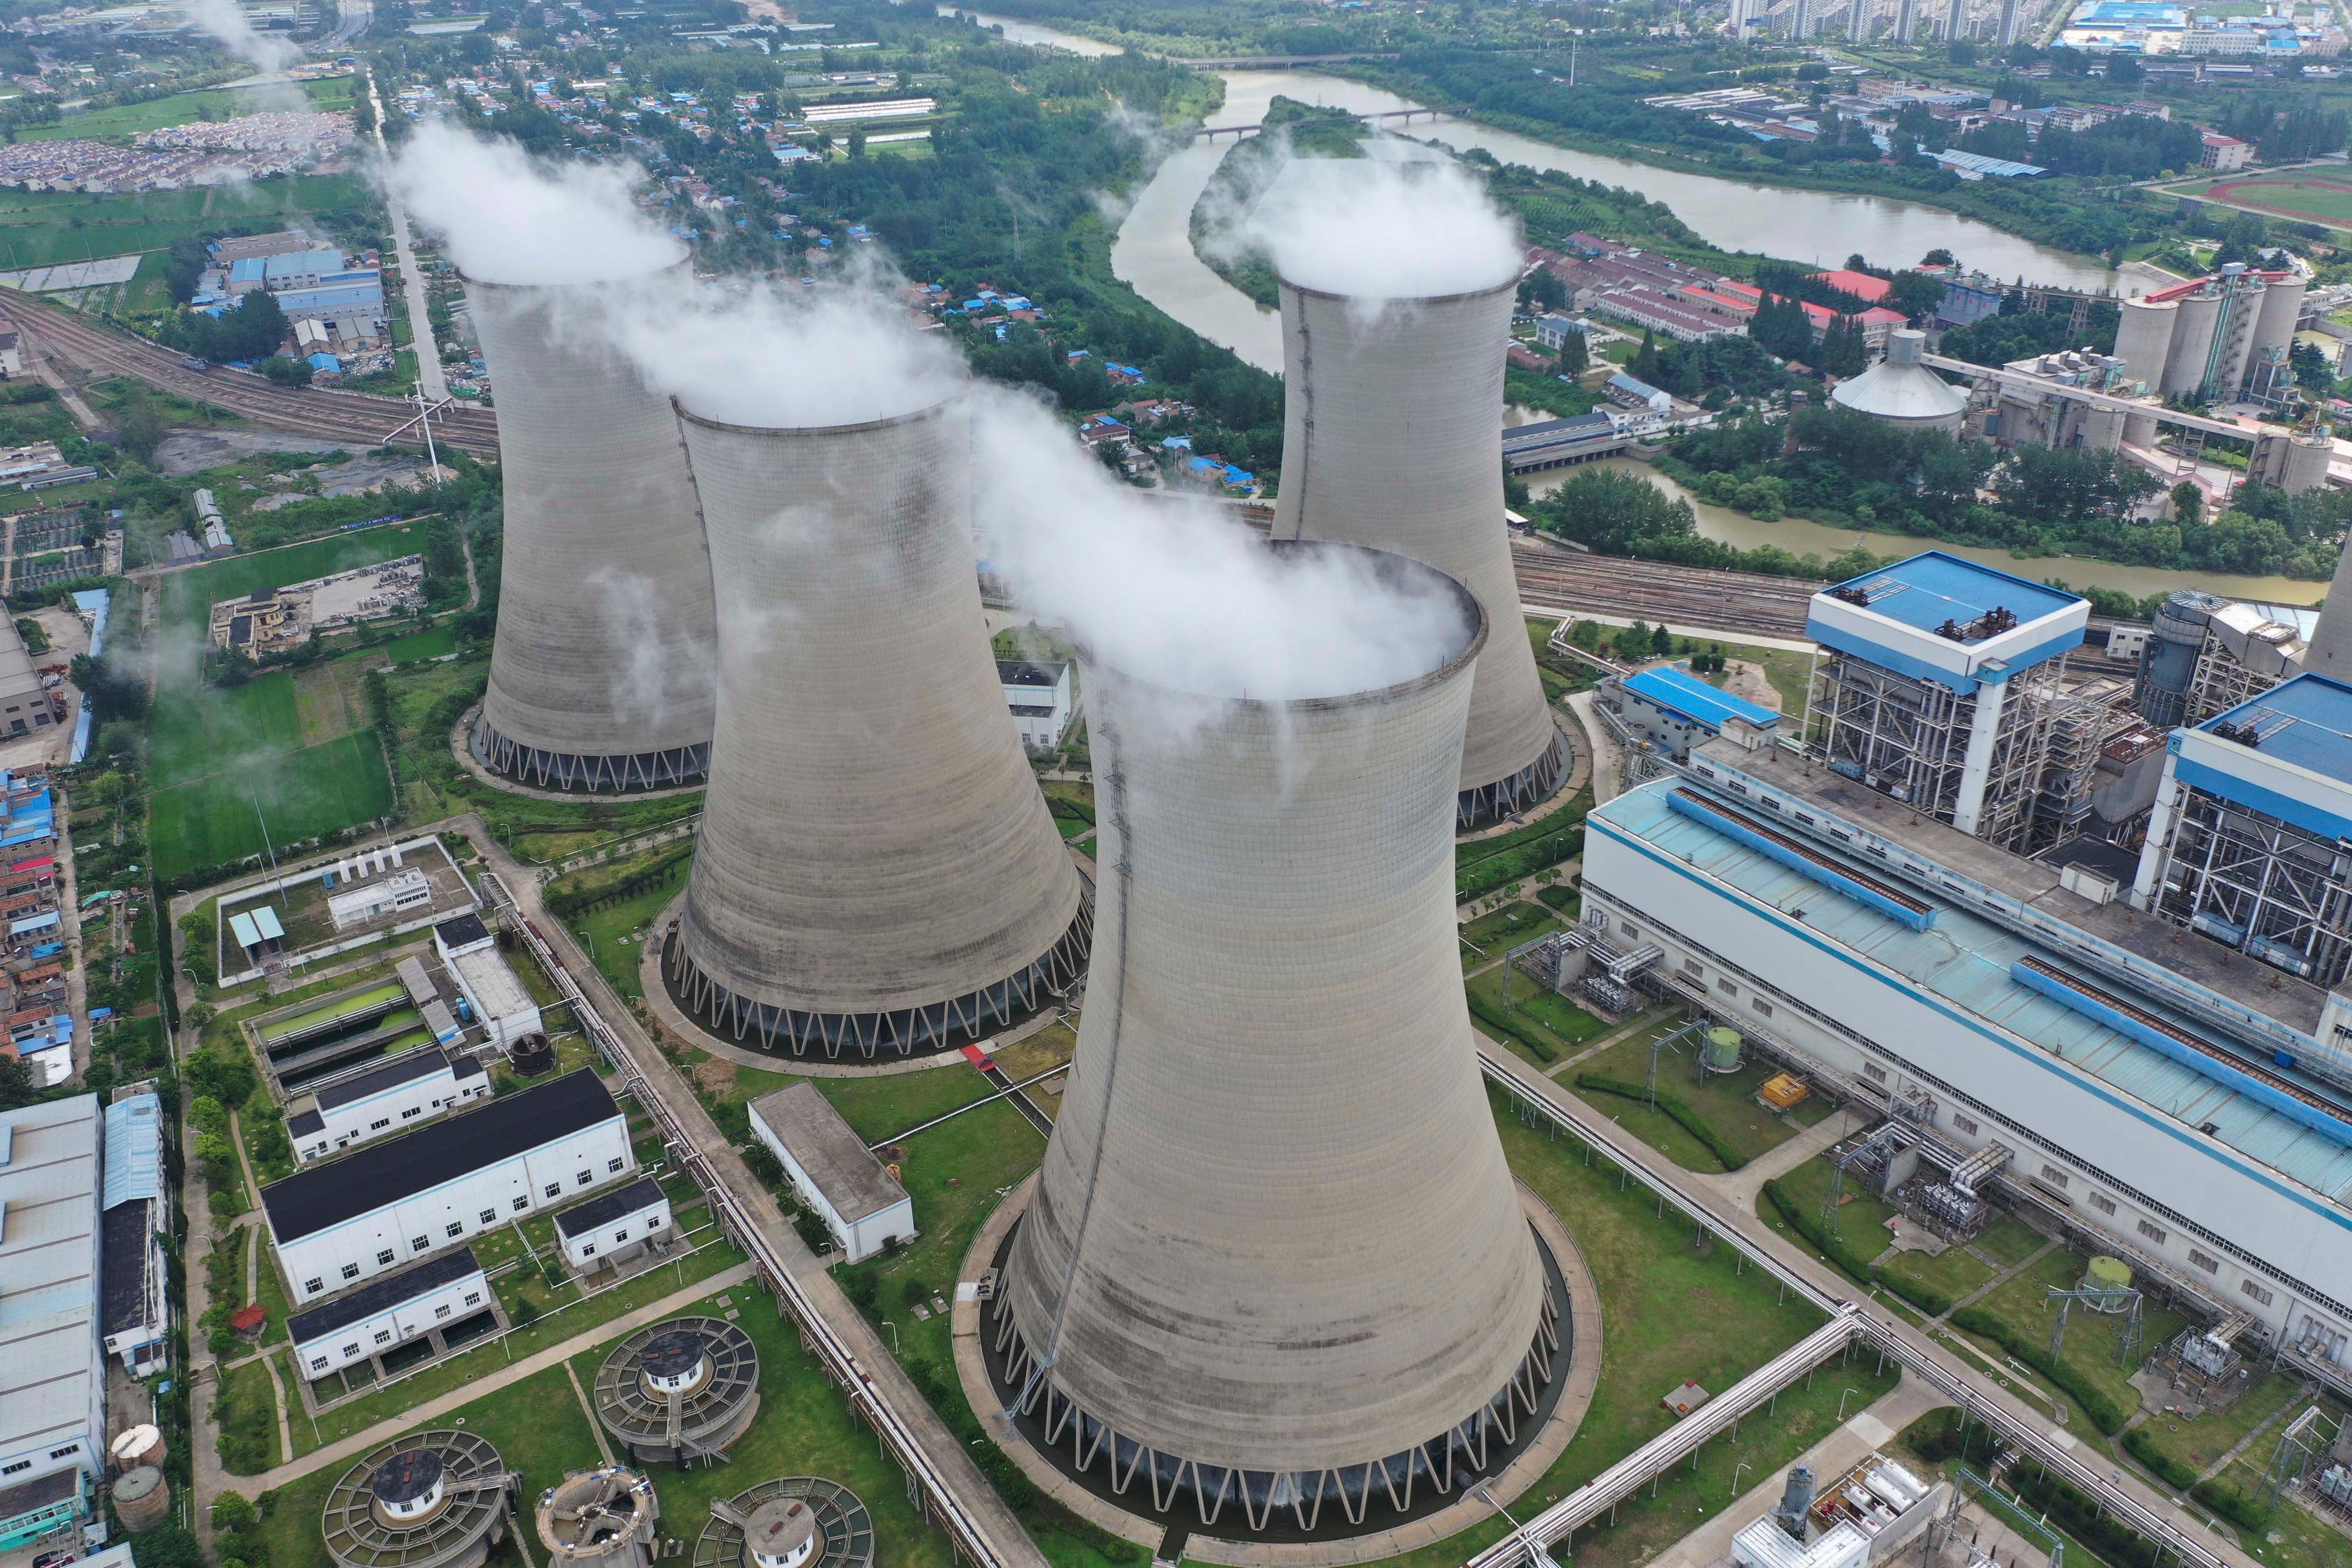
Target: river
[(1153, 254)]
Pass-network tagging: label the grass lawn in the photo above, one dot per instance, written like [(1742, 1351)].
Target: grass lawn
[(1552, 1019), (248, 1387), (1954, 1272), (2200, 1443), (192, 740), (2010, 1242), (300, 795), (802, 1429), (418, 645), (1490, 937), (1862, 1218), (1725, 1101), (1789, 672), (553, 1328), (331, 698), (2091, 1337), (2317, 195), (43, 228), (612, 934), (188, 596)]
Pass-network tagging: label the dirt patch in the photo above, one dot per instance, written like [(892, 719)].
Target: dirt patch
[(1748, 681), (366, 475), (187, 450), (715, 1077)]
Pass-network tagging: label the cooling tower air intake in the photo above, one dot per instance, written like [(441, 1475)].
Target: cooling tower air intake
[(877, 872), (1392, 437), (599, 677), (1274, 1259)]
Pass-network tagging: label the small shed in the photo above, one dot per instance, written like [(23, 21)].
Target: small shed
[(834, 1171)]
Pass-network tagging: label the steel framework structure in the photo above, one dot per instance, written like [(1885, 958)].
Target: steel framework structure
[(2082, 720), (544, 769), (2223, 681), (2266, 887), (1908, 738)]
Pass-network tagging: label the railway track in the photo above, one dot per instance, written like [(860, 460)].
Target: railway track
[(355, 417), (1659, 591)]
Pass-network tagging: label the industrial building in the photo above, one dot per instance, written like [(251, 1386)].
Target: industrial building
[(2246, 845), (2151, 1093), (52, 1365), (491, 991), (1274, 1257), (1941, 686), (2219, 338), (133, 1215), (1670, 710), (1902, 390), (1390, 440), (834, 1171), (376, 1101), (439, 1304), (600, 676), (394, 1202), (876, 870), (1038, 693), (613, 1226)]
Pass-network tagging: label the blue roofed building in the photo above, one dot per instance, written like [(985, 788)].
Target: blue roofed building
[(1672, 710), (2246, 843), (133, 1312), (1939, 689)]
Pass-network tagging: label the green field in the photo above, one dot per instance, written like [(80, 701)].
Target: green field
[(189, 595), (303, 794), (192, 741), (2316, 195), (128, 119), (418, 645), (42, 229)]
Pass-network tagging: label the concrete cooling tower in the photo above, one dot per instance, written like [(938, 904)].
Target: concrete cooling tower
[(1392, 437), (600, 678), (1274, 1259), (876, 870)]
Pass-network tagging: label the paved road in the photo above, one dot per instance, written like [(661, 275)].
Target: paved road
[(412, 279)]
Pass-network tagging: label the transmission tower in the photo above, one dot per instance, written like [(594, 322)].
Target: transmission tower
[(2127, 1339)]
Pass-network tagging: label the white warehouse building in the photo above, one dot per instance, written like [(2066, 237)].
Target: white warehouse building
[(384, 1098), (831, 1168), (2151, 1089), (391, 1203), (493, 992), (430, 1299), (1039, 696)]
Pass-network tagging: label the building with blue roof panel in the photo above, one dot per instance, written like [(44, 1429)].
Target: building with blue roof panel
[(2246, 843), (1673, 710), (1939, 689)]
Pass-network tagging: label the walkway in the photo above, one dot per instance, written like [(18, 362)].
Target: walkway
[(412, 280), (1608, 765), (344, 1449)]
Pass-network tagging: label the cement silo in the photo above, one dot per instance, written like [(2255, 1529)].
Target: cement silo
[(2191, 356), (1902, 391), (2274, 322), (2143, 341), (600, 678), (1392, 437), (876, 870), (1274, 1256)]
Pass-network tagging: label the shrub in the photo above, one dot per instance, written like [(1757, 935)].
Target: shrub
[(1503, 1024), (522, 1311), (761, 1162), (1690, 1120), (2231, 1504), (2141, 1446), (1567, 900), (1494, 870), (1849, 1260)]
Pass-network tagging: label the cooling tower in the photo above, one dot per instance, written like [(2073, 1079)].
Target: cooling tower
[(2330, 653), (1273, 1254), (877, 869), (600, 678), (1392, 437)]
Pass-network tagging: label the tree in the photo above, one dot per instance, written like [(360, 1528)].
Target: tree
[(2187, 504), (138, 427), (235, 1515), (110, 693), (857, 142), (1662, 642), (1574, 356), (16, 1085), (1915, 294), (1542, 290), (1938, 256), (285, 370)]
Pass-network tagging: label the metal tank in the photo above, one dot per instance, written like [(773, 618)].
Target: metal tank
[(2194, 326), (2142, 340), (1274, 1253), (876, 871), (2167, 664), (601, 676), (1392, 437)]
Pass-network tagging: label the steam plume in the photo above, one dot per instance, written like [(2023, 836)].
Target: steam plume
[(1373, 228), (508, 217), (225, 22)]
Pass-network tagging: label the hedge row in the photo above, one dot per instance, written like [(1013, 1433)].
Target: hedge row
[(1855, 1265), (2232, 1505), (1690, 1120), (2068, 1509), (1485, 875), (2103, 1412), (564, 902), (1562, 897), (2141, 1446), (1503, 1023)]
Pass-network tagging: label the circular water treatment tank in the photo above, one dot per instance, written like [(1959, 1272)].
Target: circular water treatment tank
[(600, 1518), (407, 1485), (532, 1056), (426, 1500), (679, 1389), (143, 1499), (1722, 1049), (797, 1521)]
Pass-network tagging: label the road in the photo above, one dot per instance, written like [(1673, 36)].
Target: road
[(412, 278), (57, 334), (358, 16)]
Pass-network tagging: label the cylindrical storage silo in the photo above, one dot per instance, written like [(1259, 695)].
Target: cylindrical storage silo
[(2307, 458), (2274, 323), (601, 676), (2235, 351), (876, 870), (1274, 1247), (143, 1499), (2142, 340), (139, 1445), (2193, 325), (1392, 437), (1722, 1049)]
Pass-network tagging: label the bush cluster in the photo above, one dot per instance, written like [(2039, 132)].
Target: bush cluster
[(1503, 1023), (1677, 1109)]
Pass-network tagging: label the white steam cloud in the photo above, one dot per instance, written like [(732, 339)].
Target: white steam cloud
[(1372, 228), (225, 21), (507, 218), (1176, 596)]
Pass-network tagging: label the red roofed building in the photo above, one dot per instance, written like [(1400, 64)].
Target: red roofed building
[(1876, 323), (1861, 284)]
